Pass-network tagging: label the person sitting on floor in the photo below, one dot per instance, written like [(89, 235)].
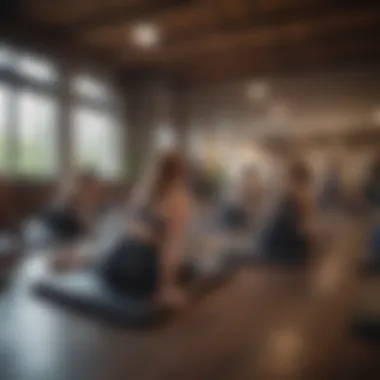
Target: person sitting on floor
[(73, 216), (146, 261), (291, 230)]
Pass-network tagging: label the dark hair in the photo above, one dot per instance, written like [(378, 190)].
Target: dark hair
[(170, 167), (299, 173)]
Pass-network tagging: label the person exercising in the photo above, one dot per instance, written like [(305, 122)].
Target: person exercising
[(146, 261), (293, 226), (71, 216)]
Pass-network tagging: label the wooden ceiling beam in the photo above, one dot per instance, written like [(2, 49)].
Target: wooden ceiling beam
[(329, 25), (266, 61), (17, 29), (257, 14), (200, 18), (183, 25), (30, 37), (176, 18), (122, 15), (60, 14)]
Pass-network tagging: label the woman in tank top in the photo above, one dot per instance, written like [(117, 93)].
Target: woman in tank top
[(146, 260)]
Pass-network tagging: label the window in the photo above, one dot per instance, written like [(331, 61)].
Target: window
[(6, 56), (36, 68), (89, 88), (97, 142), (29, 118), (4, 125), (37, 135), (164, 138)]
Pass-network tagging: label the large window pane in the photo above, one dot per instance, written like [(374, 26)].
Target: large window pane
[(164, 138), (97, 142), (37, 68), (4, 125), (6, 56), (89, 88), (37, 135)]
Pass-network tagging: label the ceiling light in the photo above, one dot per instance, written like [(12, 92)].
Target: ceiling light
[(258, 91), (279, 115), (145, 35)]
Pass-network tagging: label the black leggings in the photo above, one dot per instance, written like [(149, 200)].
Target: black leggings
[(132, 268), (65, 225)]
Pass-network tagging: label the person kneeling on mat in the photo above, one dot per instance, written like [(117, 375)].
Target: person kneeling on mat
[(71, 218), (146, 261), (291, 231), (75, 213)]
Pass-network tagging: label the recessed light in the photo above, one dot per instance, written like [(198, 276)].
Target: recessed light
[(258, 91), (279, 115), (145, 35)]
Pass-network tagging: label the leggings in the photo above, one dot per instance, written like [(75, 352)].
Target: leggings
[(132, 268)]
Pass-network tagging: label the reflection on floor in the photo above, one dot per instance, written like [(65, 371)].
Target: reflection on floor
[(266, 324)]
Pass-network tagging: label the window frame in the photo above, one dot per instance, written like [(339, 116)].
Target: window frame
[(27, 77), (106, 104), (60, 91), (107, 107), (19, 82), (113, 122), (17, 172)]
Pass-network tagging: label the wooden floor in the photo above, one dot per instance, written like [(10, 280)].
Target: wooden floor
[(265, 324)]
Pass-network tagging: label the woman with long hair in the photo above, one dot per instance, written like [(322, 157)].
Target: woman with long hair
[(147, 260)]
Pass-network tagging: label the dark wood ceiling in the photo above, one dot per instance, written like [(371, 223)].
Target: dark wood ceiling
[(212, 39)]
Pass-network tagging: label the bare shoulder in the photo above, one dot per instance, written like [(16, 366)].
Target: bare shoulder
[(179, 202)]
